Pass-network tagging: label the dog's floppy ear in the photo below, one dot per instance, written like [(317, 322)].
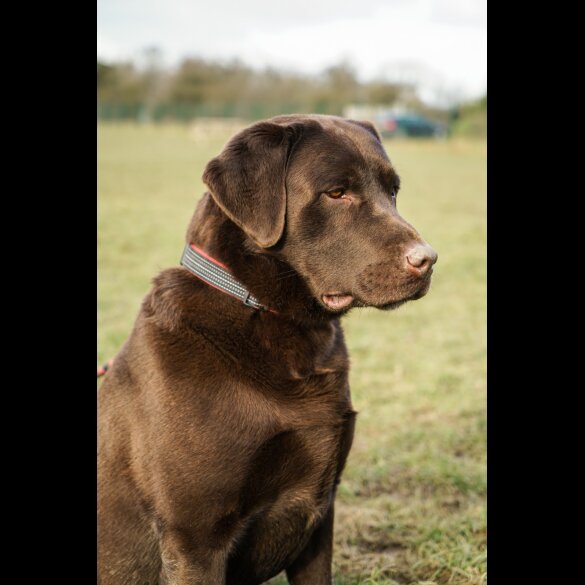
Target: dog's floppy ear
[(247, 179), (368, 126)]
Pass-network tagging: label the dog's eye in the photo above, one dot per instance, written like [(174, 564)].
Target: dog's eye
[(336, 193)]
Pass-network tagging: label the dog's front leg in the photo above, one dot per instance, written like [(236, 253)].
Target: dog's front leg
[(313, 565), (184, 563)]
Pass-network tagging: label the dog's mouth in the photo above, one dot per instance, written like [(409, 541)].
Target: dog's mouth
[(337, 301), (421, 292)]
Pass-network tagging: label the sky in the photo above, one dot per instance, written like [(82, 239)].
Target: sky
[(439, 44)]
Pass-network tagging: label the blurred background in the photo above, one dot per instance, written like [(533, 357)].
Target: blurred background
[(377, 59), (176, 79)]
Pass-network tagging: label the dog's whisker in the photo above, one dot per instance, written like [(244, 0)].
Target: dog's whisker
[(282, 277), (286, 275)]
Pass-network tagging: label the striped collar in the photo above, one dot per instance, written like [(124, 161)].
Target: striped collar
[(218, 276)]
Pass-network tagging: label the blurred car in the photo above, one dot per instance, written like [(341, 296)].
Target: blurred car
[(391, 125)]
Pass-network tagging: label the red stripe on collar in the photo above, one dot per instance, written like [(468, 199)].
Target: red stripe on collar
[(217, 262)]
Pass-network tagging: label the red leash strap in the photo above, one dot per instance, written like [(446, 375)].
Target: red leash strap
[(101, 370)]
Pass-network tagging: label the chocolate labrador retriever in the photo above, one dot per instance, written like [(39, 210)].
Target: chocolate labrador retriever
[(226, 418)]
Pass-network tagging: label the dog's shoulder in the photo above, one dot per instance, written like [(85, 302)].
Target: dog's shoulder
[(187, 331), (176, 297)]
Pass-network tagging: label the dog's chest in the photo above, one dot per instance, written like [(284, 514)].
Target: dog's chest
[(287, 493)]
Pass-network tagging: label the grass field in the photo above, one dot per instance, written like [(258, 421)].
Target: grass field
[(411, 505)]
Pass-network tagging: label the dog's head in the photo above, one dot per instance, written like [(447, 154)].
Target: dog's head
[(319, 192)]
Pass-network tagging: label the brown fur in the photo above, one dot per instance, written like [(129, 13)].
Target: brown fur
[(223, 431)]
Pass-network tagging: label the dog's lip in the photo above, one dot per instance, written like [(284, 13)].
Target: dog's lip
[(392, 304), (337, 300), (424, 288), (419, 293)]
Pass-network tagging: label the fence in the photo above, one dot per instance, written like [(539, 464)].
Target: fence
[(186, 112)]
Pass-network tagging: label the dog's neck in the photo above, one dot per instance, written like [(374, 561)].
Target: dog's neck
[(270, 279)]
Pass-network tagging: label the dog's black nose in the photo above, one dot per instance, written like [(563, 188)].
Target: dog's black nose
[(420, 259)]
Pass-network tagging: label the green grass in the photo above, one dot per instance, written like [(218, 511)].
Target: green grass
[(411, 505)]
